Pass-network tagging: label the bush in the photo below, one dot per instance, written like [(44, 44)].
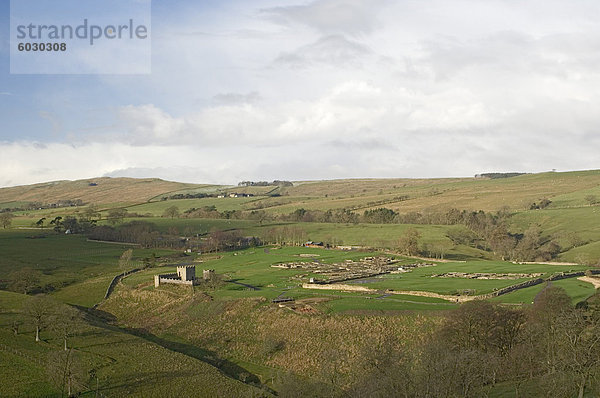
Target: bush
[(272, 346)]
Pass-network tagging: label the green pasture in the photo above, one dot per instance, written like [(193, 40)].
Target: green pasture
[(375, 235), (582, 220), (588, 253), (577, 289), (58, 257), (77, 270), (13, 204), (421, 278), (253, 267), (203, 188), (158, 208), (192, 226), (126, 364)]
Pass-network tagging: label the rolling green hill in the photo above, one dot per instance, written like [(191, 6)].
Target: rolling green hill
[(567, 189), (96, 190), (207, 339)]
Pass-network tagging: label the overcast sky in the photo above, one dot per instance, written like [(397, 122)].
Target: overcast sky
[(291, 89)]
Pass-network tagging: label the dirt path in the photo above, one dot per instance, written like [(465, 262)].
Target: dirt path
[(592, 280), (437, 260), (115, 243), (363, 289), (543, 263)]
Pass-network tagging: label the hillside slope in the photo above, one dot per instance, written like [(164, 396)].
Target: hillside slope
[(407, 195), (565, 190), (95, 190)]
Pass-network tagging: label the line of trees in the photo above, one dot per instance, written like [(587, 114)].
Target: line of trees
[(483, 230), (278, 183)]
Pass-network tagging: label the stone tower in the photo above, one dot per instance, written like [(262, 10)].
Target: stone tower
[(186, 272), (208, 274)]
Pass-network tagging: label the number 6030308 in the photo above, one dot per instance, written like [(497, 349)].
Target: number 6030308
[(42, 46)]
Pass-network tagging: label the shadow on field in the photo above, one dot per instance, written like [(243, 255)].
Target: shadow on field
[(235, 281), (146, 379), (102, 319)]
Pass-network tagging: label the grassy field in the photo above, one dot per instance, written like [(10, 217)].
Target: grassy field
[(564, 189), (253, 267), (518, 193), (421, 278), (71, 267), (221, 204), (106, 190), (125, 363), (176, 334), (79, 271)]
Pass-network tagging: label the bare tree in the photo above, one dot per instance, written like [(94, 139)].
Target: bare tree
[(24, 280), (125, 259), (116, 216), (591, 199), (579, 347), (38, 310), (66, 371), (91, 212), (408, 243), (66, 322), (172, 212)]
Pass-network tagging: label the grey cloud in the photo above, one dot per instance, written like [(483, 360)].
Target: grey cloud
[(335, 50), (364, 144), (512, 52), (236, 98), (331, 16)]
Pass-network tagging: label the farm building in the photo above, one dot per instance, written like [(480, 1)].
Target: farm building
[(310, 243)]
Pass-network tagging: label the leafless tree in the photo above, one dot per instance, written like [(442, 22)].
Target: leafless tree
[(38, 310), (65, 370), (24, 280), (125, 259), (116, 216), (408, 243), (171, 211), (66, 321)]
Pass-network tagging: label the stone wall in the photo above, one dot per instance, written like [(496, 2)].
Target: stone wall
[(170, 278), (116, 280)]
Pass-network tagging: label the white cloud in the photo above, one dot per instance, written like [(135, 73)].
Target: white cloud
[(337, 88), (148, 124)]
